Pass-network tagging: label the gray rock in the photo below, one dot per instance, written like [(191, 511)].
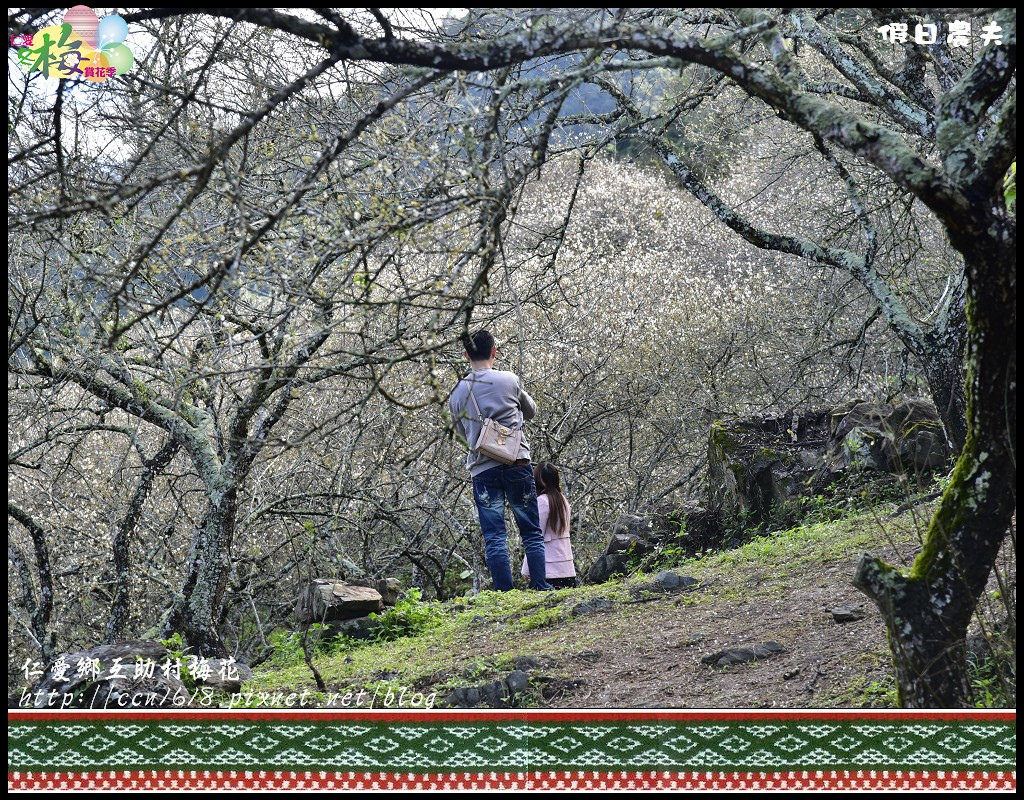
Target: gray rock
[(847, 613), (111, 682), (673, 582), (634, 535), (359, 628), (862, 448), (327, 600), (628, 544), (741, 655), (664, 583), (590, 606), (904, 437), (494, 694), (607, 567), (526, 663), (518, 682), (925, 450)]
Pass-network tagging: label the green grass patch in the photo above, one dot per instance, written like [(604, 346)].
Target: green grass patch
[(471, 640), (796, 547), (541, 619)]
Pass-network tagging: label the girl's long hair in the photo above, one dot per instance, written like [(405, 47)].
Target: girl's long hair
[(545, 475)]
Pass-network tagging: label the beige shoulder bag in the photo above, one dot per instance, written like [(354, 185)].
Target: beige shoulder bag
[(495, 440)]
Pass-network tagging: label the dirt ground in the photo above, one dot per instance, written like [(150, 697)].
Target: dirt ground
[(651, 656), (647, 653), (644, 649)]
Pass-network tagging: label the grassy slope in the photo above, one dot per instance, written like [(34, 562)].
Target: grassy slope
[(644, 653)]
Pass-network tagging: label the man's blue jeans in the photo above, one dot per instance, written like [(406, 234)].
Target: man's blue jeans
[(512, 482)]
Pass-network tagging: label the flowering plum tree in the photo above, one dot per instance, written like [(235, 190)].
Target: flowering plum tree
[(323, 195)]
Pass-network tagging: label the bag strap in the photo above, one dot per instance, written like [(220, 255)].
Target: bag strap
[(479, 413)]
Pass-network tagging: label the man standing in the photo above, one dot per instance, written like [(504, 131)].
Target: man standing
[(500, 396)]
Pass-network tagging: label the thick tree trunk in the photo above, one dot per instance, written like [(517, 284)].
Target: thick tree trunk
[(927, 643), (117, 622), (197, 610), (40, 611), (943, 358), (928, 610)]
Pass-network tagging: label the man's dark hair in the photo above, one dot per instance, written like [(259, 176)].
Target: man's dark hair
[(478, 345)]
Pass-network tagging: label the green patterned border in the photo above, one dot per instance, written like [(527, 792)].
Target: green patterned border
[(455, 745)]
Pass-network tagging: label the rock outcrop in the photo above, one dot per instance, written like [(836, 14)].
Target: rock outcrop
[(903, 438), (107, 677), (757, 464), (689, 529), (325, 600)]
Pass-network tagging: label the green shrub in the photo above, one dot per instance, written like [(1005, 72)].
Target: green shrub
[(178, 653), (993, 676), (880, 694), (409, 617), (287, 647)]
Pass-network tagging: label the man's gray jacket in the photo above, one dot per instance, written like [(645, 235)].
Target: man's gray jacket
[(501, 397)]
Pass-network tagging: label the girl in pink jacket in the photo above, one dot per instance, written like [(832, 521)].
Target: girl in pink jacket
[(554, 522)]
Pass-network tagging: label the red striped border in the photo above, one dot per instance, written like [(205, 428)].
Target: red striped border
[(577, 715), (170, 780)]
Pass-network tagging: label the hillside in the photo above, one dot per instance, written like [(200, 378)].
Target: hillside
[(638, 649)]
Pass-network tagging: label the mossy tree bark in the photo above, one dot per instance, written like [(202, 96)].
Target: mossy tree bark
[(117, 623), (943, 351), (928, 610), (196, 611), (39, 604), (221, 449)]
